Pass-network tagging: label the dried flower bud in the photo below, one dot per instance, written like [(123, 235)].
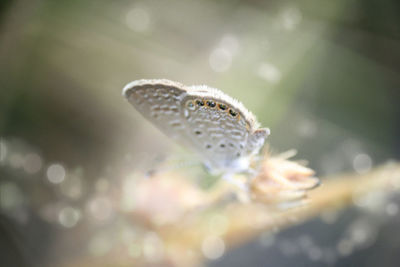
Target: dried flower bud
[(281, 179)]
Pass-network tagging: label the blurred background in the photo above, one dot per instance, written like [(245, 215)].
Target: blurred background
[(322, 75)]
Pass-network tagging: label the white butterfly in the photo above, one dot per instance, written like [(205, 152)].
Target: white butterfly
[(214, 125)]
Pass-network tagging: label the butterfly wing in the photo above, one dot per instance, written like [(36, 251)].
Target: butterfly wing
[(159, 101), (220, 129)]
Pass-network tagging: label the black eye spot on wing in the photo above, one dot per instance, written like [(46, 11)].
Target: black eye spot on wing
[(233, 113), (222, 145), (208, 146), (199, 102), (211, 103), (222, 106), (197, 132)]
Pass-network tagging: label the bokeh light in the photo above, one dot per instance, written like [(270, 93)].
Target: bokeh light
[(269, 73), (100, 208), (220, 59), (56, 173), (213, 247), (68, 217), (138, 19), (362, 163)]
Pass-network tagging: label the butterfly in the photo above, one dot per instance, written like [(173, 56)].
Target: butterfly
[(218, 128)]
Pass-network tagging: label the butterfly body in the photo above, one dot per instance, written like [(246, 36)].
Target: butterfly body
[(215, 126)]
